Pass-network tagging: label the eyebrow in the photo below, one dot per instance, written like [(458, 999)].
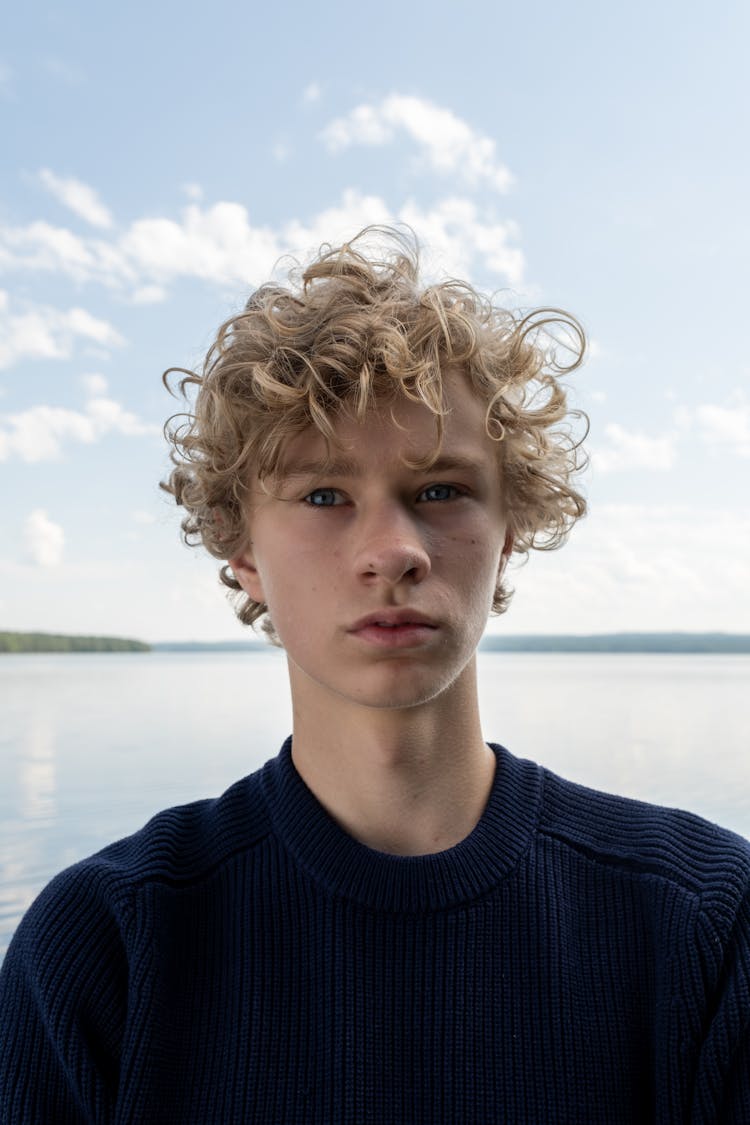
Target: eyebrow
[(347, 467)]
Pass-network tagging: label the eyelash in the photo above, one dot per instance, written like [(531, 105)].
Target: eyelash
[(456, 491)]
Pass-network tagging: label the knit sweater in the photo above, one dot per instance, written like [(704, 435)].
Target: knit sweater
[(579, 959)]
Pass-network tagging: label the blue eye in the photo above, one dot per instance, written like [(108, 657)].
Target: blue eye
[(441, 492), (322, 498)]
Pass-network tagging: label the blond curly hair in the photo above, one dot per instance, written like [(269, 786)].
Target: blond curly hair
[(353, 329)]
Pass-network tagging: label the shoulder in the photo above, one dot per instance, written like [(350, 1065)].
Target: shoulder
[(84, 948), (642, 839), (185, 843), (179, 846)]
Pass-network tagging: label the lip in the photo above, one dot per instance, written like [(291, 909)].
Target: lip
[(394, 629), (392, 618)]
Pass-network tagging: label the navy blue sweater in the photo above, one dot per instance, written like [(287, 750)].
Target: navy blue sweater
[(578, 959)]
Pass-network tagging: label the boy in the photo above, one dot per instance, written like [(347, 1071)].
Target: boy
[(393, 921)]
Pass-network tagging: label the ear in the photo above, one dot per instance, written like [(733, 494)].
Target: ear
[(246, 572)]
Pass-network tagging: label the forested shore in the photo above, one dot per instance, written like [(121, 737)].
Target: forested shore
[(58, 642)]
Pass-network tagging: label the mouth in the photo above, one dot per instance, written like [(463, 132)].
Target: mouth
[(394, 619), (395, 629)]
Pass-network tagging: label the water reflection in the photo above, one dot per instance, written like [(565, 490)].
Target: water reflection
[(37, 773)]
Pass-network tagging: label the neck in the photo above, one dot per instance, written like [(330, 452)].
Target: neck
[(409, 781)]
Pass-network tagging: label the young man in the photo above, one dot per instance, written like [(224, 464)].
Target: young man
[(393, 921)]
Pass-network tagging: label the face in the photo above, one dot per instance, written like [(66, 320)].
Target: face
[(378, 577)]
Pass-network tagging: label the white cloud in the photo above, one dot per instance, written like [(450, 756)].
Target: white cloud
[(219, 244), (725, 426), (108, 416), (311, 93), (193, 191), (454, 230), (44, 539), (451, 233), (79, 197), (39, 433), (364, 125), (41, 247), (94, 384), (342, 221), (40, 332), (640, 567), (149, 295), (628, 449), (448, 144), (82, 323)]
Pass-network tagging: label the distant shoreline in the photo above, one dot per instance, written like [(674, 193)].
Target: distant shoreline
[(60, 642), (697, 643), (622, 642)]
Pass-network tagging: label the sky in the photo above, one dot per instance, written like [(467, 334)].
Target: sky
[(158, 160)]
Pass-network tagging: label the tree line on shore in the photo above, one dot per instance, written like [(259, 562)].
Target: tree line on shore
[(57, 642)]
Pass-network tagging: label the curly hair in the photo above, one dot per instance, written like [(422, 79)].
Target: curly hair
[(352, 330)]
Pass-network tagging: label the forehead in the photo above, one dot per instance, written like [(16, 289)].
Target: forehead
[(399, 431)]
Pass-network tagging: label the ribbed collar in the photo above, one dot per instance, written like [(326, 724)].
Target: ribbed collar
[(408, 884)]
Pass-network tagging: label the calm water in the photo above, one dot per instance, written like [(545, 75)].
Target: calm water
[(91, 746)]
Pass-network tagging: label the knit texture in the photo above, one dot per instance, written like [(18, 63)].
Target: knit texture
[(579, 959)]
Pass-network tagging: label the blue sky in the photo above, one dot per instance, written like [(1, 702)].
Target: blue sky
[(157, 160)]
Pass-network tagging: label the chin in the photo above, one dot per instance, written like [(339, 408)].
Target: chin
[(407, 692)]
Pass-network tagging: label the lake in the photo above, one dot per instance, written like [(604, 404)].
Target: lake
[(92, 745)]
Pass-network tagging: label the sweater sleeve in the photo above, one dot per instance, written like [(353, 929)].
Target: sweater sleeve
[(722, 1088), (63, 991)]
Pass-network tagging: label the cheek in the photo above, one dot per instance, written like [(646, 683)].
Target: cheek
[(478, 549), (470, 569), (300, 589)]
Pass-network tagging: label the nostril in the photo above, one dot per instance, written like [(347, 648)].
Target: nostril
[(394, 564)]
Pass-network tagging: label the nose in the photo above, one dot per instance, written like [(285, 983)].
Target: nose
[(391, 549)]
